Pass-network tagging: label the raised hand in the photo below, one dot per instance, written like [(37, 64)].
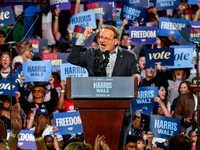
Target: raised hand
[(16, 120), (57, 11), (39, 127), (3, 131), (88, 32)]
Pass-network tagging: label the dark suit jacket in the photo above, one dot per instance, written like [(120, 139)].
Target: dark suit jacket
[(126, 62)]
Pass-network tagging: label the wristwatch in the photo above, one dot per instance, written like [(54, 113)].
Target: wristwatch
[(16, 136)]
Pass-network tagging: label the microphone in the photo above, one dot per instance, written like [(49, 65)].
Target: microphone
[(106, 60), (96, 60)]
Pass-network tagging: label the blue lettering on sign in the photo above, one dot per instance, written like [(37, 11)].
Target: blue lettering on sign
[(74, 70), (81, 19), (131, 11)]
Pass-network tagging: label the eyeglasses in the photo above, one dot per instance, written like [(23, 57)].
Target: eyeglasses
[(6, 58), (104, 38), (36, 91)]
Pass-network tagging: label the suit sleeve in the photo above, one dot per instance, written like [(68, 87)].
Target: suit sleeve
[(134, 66)]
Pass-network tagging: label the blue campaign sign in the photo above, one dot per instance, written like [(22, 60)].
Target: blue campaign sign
[(101, 9), (36, 71), (166, 4), (143, 35), (69, 70), (27, 139), (7, 17), (171, 26), (140, 3), (114, 4), (78, 32), (5, 87), (37, 44), (182, 57), (68, 122), (62, 4), (132, 13), (145, 99), (164, 56), (56, 59), (191, 34), (194, 24), (118, 20), (164, 127), (193, 2), (83, 19)]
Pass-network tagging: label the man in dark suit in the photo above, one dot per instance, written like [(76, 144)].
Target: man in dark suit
[(121, 62)]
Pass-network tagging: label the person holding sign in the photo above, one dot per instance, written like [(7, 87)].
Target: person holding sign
[(38, 97)]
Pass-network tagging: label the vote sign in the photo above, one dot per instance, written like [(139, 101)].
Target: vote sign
[(6, 17), (164, 56), (166, 4), (164, 127), (62, 4), (68, 122)]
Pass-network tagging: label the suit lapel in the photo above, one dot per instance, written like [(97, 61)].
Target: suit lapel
[(118, 61)]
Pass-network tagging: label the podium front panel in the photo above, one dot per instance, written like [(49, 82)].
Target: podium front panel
[(101, 87)]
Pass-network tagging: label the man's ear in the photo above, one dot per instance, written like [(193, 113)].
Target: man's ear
[(116, 41)]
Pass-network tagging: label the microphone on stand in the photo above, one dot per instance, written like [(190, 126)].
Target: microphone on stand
[(106, 60), (96, 60)]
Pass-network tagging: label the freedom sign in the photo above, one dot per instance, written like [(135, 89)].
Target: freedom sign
[(143, 35), (195, 24), (166, 4), (164, 56), (164, 127), (6, 16), (171, 26), (145, 99), (182, 57), (27, 139), (140, 3), (68, 122), (62, 4), (37, 44), (78, 32), (36, 71), (83, 19), (101, 9), (56, 59), (133, 13), (69, 70), (192, 2), (113, 2)]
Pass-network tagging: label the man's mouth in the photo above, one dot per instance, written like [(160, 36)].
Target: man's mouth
[(103, 45)]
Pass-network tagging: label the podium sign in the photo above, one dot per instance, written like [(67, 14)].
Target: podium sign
[(101, 87)]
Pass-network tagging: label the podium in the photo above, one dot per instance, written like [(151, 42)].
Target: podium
[(102, 102)]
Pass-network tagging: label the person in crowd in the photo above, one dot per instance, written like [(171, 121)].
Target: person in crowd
[(131, 142), (194, 125), (44, 49), (5, 63), (25, 52), (141, 65), (196, 16), (48, 140), (180, 141), (29, 17), (193, 135), (140, 143), (185, 105), (38, 97)]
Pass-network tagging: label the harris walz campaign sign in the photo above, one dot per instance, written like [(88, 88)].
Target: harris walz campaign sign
[(145, 101), (83, 19), (101, 9), (166, 4), (78, 32), (62, 4), (56, 59), (172, 26), (164, 127), (37, 44), (6, 16), (132, 13), (36, 71), (164, 56), (68, 122), (143, 35), (140, 3)]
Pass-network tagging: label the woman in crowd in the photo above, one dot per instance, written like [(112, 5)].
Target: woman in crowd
[(185, 105), (25, 53), (5, 69)]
